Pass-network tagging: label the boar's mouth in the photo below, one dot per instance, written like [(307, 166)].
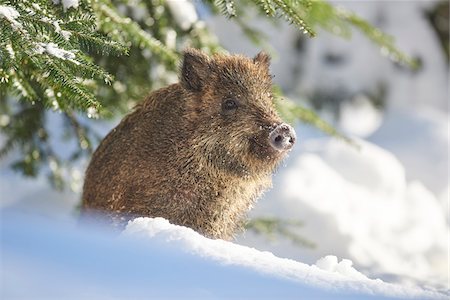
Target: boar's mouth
[(262, 150)]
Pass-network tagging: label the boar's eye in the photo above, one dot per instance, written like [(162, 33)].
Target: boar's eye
[(229, 105)]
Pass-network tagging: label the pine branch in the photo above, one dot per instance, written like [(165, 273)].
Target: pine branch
[(131, 31), (291, 112), (96, 43), (226, 7), (270, 227), (340, 22), (22, 86), (308, 16), (292, 10), (384, 41), (80, 132), (267, 7), (42, 50), (78, 95)]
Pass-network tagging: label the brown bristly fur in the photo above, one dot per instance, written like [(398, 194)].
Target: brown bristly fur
[(178, 155)]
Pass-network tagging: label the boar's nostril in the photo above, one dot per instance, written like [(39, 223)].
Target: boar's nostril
[(282, 137)]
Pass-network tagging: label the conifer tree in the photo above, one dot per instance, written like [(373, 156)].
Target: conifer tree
[(89, 59)]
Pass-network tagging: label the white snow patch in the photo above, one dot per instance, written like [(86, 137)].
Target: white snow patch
[(344, 267), (66, 34), (10, 50), (53, 49), (36, 6), (67, 3), (359, 117), (92, 113), (327, 274), (4, 120), (183, 12), (10, 14), (419, 137)]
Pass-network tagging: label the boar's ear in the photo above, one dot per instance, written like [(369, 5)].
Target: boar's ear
[(262, 58), (195, 69)]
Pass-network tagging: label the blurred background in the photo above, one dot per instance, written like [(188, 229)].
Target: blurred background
[(381, 201)]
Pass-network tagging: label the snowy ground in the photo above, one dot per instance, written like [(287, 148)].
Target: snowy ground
[(43, 259)]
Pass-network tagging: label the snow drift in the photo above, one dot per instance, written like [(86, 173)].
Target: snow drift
[(153, 259), (356, 202), (327, 274)]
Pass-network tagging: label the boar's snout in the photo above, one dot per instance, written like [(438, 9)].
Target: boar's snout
[(282, 137)]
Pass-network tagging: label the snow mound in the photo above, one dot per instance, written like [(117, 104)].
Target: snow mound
[(327, 274), (357, 203), (359, 116), (344, 267)]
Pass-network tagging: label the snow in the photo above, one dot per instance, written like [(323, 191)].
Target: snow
[(344, 267), (10, 14), (53, 49), (408, 133), (232, 254), (10, 50), (46, 259), (337, 277), (4, 120), (67, 3), (183, 12), (92, 113), (230, 8), (359, 117), (368, 212), (66, 34)]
